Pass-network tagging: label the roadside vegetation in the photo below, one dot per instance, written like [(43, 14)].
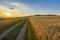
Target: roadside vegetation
[(8, 24), (14, 33), (29, 34)]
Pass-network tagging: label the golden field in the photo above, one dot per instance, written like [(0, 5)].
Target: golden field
[(46, 27)]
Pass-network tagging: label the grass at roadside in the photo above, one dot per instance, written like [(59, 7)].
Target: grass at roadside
[(29, 34), (8, 25), (14, 33)]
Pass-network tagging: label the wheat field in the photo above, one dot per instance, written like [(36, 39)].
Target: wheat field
[(46, 27)]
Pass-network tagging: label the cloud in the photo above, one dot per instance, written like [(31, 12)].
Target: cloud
[(7, 9), (21, 5)]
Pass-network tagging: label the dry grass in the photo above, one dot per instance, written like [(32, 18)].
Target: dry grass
[(46, 27), (6, 21)]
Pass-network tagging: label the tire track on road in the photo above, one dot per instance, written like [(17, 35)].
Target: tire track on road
[(22, 32)]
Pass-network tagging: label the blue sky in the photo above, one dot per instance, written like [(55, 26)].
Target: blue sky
[(49, 5), (38, 6)]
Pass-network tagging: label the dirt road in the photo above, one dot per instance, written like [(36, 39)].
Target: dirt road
[(22, 32)]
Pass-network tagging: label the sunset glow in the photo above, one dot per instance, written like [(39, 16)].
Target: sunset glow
[(21, 8), (8, 14)]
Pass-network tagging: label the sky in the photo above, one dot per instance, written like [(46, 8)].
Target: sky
[(30, 7)]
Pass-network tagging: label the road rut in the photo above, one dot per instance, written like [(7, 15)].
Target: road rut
[(22, 32)]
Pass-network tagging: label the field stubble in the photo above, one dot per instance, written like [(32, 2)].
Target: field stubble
[(46, 27)]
